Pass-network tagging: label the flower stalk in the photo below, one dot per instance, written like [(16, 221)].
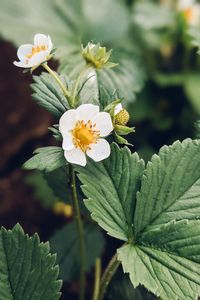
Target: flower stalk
[(80, 232), (57, 79), (97, 279), (107, 276)]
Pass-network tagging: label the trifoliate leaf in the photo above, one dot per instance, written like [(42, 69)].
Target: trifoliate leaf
[(166, 260), (27, 269), (170, 186), (49, 95), (68, 251), (46, 159), (110, 187)]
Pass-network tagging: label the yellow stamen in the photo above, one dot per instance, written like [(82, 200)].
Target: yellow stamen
[(85, 134), (35, 50)]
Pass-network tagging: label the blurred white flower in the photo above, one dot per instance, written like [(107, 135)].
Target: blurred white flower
[(33, 55), (82, 130), (190, 10)]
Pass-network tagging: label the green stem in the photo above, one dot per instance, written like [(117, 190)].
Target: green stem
[(107, 276), (57, 79), (80, 233), (77, 83), (97, 279)]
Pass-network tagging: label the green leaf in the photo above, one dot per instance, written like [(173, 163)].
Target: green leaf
[(192, 90), (27, 269), (68, 252), (121, 288), (46, 159), (127, 78), (102, 25), (42, 191), (58, 181), (59, 19), (166, 260), (49, 95), (170, 186), (110, 187), (152, 16)]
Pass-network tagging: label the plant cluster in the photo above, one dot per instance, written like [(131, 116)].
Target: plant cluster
[(153, 208)]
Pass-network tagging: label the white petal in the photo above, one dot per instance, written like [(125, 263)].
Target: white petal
[(67, 143), (103, 123), (41, 39), (21, 64), (87, 111), (23, 50), (38, 58), (68, 121), (118, 108), (75, 156), (99, 151), (50, 44), (183, 4)]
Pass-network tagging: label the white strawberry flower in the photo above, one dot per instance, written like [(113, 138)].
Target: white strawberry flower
[(33, 55), (83, 130), (190, 10)]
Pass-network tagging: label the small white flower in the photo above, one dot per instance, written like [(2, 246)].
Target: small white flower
[(82, 130), (34, 55), (190, 10)]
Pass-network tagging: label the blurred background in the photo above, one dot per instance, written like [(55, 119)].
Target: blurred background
[(155, 43)]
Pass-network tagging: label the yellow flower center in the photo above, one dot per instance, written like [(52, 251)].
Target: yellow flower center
[(188, 13), (85, 134), (35, 50)]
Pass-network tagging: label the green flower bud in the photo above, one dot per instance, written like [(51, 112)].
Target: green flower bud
[(97, 56)]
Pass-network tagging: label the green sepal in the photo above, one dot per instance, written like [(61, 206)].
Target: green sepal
[(123, 130), (53, 51), (120, 140), (111, 106)]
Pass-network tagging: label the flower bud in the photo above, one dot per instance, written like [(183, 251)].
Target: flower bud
[(97, 56)]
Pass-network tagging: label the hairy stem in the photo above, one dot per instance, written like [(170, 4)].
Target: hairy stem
[(57, 79), (107, 276), (80, 233), (97, 279)]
